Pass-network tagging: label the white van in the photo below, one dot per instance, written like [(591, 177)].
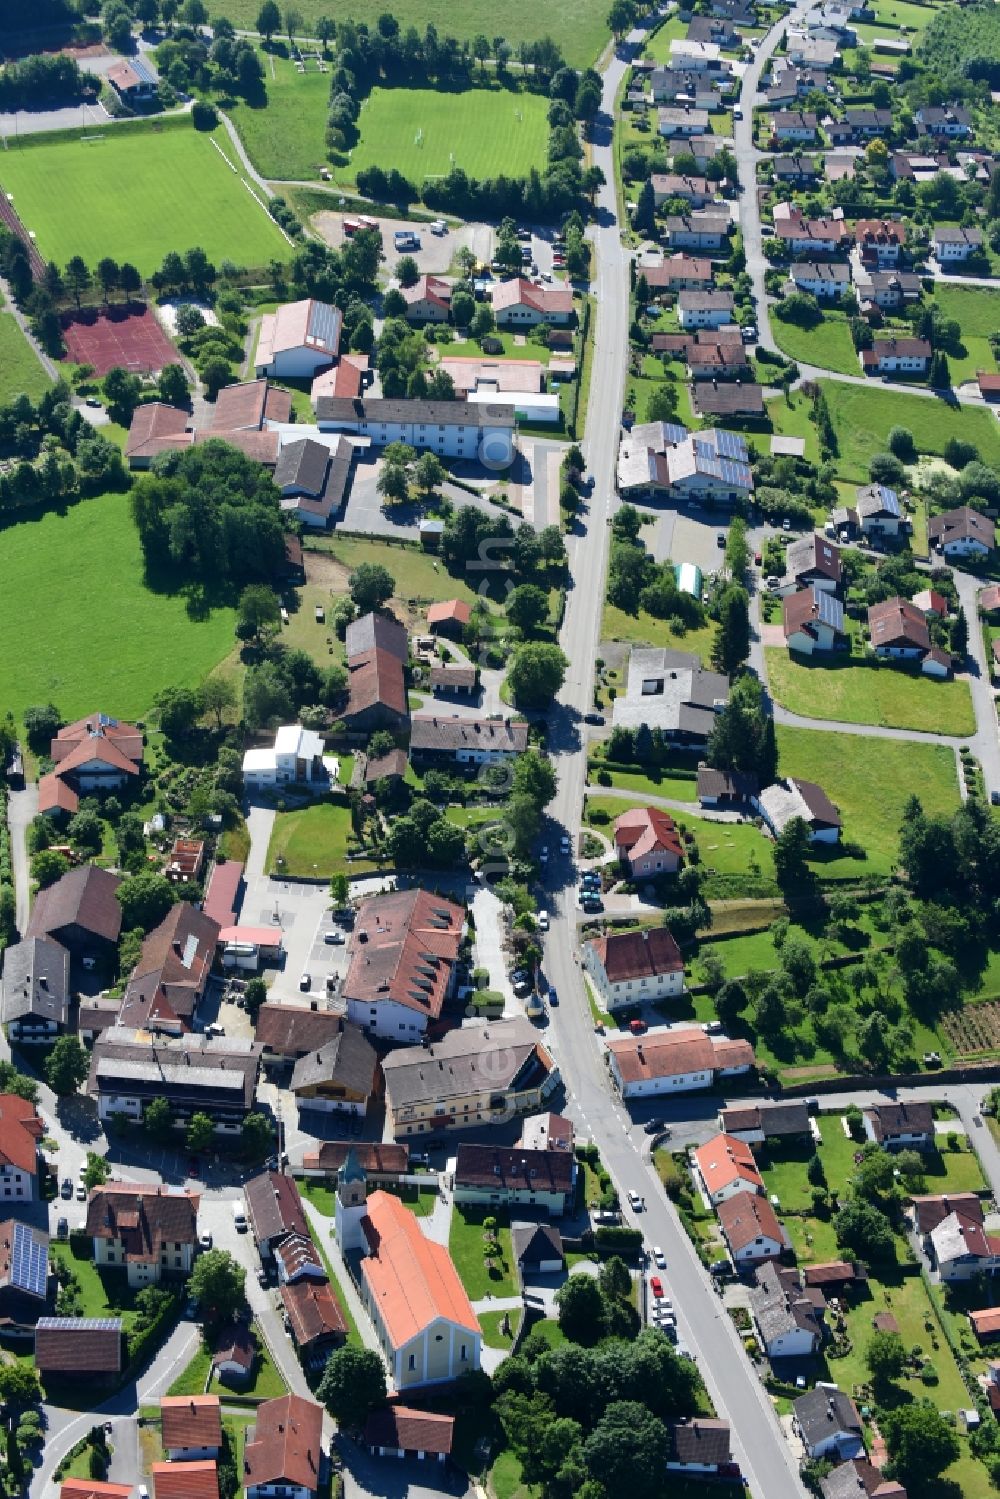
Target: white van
[(439, 227), (543, 921), (239, 1217)]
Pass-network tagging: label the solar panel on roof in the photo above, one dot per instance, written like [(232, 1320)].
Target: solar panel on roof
[(735, 473), (29, 1262), (141, 70), (323, 323), (731, 445), (829, 609), (673, 433)]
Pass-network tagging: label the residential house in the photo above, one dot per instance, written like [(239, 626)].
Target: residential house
[(680, 124), (804, 236), (989, 386), (725, 788), (169, 981), (828, 1424), (466, 741), (725, 1166), (428, 300), (289, 1031), (191, 1427), (489, 1175), (284, 1458), (36, 990), (899, 632), (80, 912), (825, 282), (400, 1431), (377, 649), (274, 1209), (146, 1228), (961, 533), (766, 1121), (296, 758), (900, 1126), (75, 1347), (26, 1286), (452, 429), (133, 79), (879, 511), (793, 125), (91, 1488), (700, 1447), (316, 1319), (194, 1480), (340, 1077), (750, 1228), (685, 89), (807, 49), (297, 1259), (859, 1479), (451, 678), (813, 620), (537, 1249), (21, 1128), (390, 767), (194, 1073), (678, 273), (880, 241), (696, 56), (812, 562), (933, 605), (887, 290), (682, 1059), (896, 356), (525, 304), (867, 123), (671, 691), (986, 1323), (647, 842), (732, 399), (346, 379), (961, 1249), (449, 617), (948, 120), (94, 754), (422, 1316), (702, 229), (717, 356), (402, 966), (633, 968), (787, 1317), (791, 797), (799, 170), (298, 339), (234, 1353), (469, 1077), (314, 478), (704, 309), (710, 29), (711, 466), (381, 1161), (696, 191), (953, 244), (642, 473)]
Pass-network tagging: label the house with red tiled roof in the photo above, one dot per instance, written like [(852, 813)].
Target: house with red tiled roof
[(523, 304), (168, 983), (428, 300), (156, 428), (725, 1166), (647, 842), (316, 1318), (150, 1229), (20, 1131), (94, 754), (90, 1488), (448, 617), (400, 1431), (418, 1305), (750, 1228), (402, 966), (284, 1455), (677, 1060), (191, 1427), (197, 1480), (632, 968)]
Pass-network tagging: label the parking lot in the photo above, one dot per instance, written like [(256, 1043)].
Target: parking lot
[(436, 252)]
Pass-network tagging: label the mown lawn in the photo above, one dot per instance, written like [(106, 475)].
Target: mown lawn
[(885, 695), (676, 788), (466, 1242), (863, 415), (658, 47), (975, 308), (827, 343), (193, 1378), (790, 417), (871, 806), (726, 847), (425, 132), (89, 630), (644, 629), (136, 192), (313, 841), (20, 370), (492, 1325), (283, 131)]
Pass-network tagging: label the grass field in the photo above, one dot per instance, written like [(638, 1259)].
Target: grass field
[(885, 695), (424, 133), (313, 841), (976, 308), (577, 26), (828, 344), (871, 807), (20, 371), (790, 417), (863, 415), (90, 630), (135, 193), (644, 629), (284, 135), (466, 1241)]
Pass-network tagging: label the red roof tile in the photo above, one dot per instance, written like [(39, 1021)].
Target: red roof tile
[(286, 1446), (198, 1480), (191, 1421)]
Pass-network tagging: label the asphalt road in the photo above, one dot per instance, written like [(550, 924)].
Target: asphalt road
[(738, 1395)]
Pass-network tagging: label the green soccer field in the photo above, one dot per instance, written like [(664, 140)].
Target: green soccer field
[(135, 193), (424, 133)]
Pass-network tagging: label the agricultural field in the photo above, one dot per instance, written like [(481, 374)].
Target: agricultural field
[(576, 26), (91, 629), (974, 1031), (885, 695), (20, 370), (426, 132), (136, 192), (863, 415), (284, 132), (827, 344)]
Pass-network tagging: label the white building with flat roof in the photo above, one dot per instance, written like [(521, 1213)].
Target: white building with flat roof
[(296, 755)]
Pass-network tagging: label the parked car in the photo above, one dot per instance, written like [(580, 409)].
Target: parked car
[(543, 921), (659, 1258), (334, 938), (720, 540), (305, 982), (565, 846), (81, 1192), (62, 1228), (653, 1126), (596, 718), (553, 998), (637, 1027), (592, 903), (66, 1190), (635, 1202), (205, 1241), (656, 1286)]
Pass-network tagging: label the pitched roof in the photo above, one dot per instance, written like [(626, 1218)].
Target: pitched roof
[(409, 1430), (962, 524), (347, 1059), (802, 611), (394, 763), (745, 1217), (447, 610), (813, 554), (222, 890), (896, 348), (405, 944), (533, 1242), (274, 1206), (36, 981), (78, 1345), (699, 1440), (173, 967), (646, 830), (959, 1237), (928, 601), (874, 500), (729, 398), (898, 623), (191, 1421), (822, 1412), (434, 732), (784, 800), (859, 1479), (481, 1058), (890, 1119), (143, 1216), (832, 1272), (376, 680), (292, 1030), (55, 795), (311, 325), (521, 292), (724, 1160), (675, 1052), (197, 1480), (84, 897), (412, 1281), (638, 954), (313, 1310), (286, 1445), (428, 289), (931, 1210), (91, 1488), (726, 783), (20, 1130), (193, 1070), (156, 428), (513, 1168), (245, 407), (775, 1119), (985, 1322), (24, 1259), (234, 1344)]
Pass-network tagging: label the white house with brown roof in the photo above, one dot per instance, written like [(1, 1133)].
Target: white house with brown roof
[(726, 1166), (523, 304), (647, 842), (678, 1060), (419, 1308), (191, 1427), (283, 1459), (751, 1229), (402, 966), (428, 300), (784, 800), (150, 1229), (700, 1446), (633, 968), (20, 1131), (515, 1177), (298, 339), (961, 1248), (467, 741), (962, 533), (900, 1126), (401, 1431)]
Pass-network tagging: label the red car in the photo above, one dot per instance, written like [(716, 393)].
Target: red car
[(637, 1027), (656, 1286)]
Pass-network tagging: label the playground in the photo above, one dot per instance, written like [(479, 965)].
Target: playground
[(424, 133)]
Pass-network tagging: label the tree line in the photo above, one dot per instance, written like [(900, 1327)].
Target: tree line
[(44, 81)]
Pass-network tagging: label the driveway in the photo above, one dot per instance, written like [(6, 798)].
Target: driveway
[(22, 807), (487, 912), (364, 513), (366, 1477)]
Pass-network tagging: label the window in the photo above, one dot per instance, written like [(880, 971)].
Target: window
[(464, 1355), (412, 1362)]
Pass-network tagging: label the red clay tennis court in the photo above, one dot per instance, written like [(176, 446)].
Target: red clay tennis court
[(128, 336)]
